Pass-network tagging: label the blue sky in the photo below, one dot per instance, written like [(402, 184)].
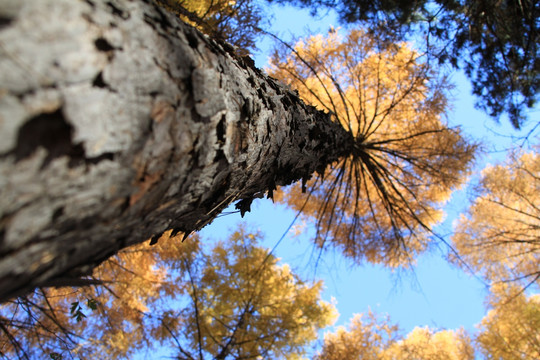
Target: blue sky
[(435, 294)]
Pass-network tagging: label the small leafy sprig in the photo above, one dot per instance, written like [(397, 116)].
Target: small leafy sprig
[(76, 309)]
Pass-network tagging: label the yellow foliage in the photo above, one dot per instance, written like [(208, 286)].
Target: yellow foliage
[(235, 21), (374, 338), (246, 300), (233, 300), (511, 330), (500, 234), (423, 343), (366, 338), (378, 204)]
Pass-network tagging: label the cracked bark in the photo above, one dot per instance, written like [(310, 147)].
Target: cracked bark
[(119, 122)]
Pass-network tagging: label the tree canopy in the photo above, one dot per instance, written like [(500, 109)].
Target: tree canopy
[(499, 237), (511, 329), (366, 337), (380, 203), (238, 22), (495, 42), (233, 300), (374, 337)]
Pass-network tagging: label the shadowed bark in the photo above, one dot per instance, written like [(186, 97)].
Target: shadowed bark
[(118, 122)]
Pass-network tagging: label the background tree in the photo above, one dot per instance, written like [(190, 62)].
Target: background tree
[(366, 338), (511, 329), (377, 339), (109, 320), (232, 301), (496, 42), (238, 22), (427, 344), (499, 237), (502, 41), (245, 305), (379, 203)]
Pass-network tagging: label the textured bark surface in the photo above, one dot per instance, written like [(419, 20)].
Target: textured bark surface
[(119, 122)]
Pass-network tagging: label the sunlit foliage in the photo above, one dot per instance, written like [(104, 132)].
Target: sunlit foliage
[(43, 323), (238, 22), (496, 42), (366, 338), (499, 237), (511, 329), (375, 338), (231, 301), (244, 305), (380, 203), (426, 344)]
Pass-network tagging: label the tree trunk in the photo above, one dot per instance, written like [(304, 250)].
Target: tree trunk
[(119, 122)]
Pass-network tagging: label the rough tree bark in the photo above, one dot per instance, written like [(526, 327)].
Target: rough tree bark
[(119, 122)]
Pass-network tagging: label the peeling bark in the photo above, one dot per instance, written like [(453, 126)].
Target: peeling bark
[(119, 122)]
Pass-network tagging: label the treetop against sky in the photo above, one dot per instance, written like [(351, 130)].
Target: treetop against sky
[(375, 171)]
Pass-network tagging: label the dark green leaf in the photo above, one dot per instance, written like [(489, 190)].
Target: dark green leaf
[(92, 304)]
